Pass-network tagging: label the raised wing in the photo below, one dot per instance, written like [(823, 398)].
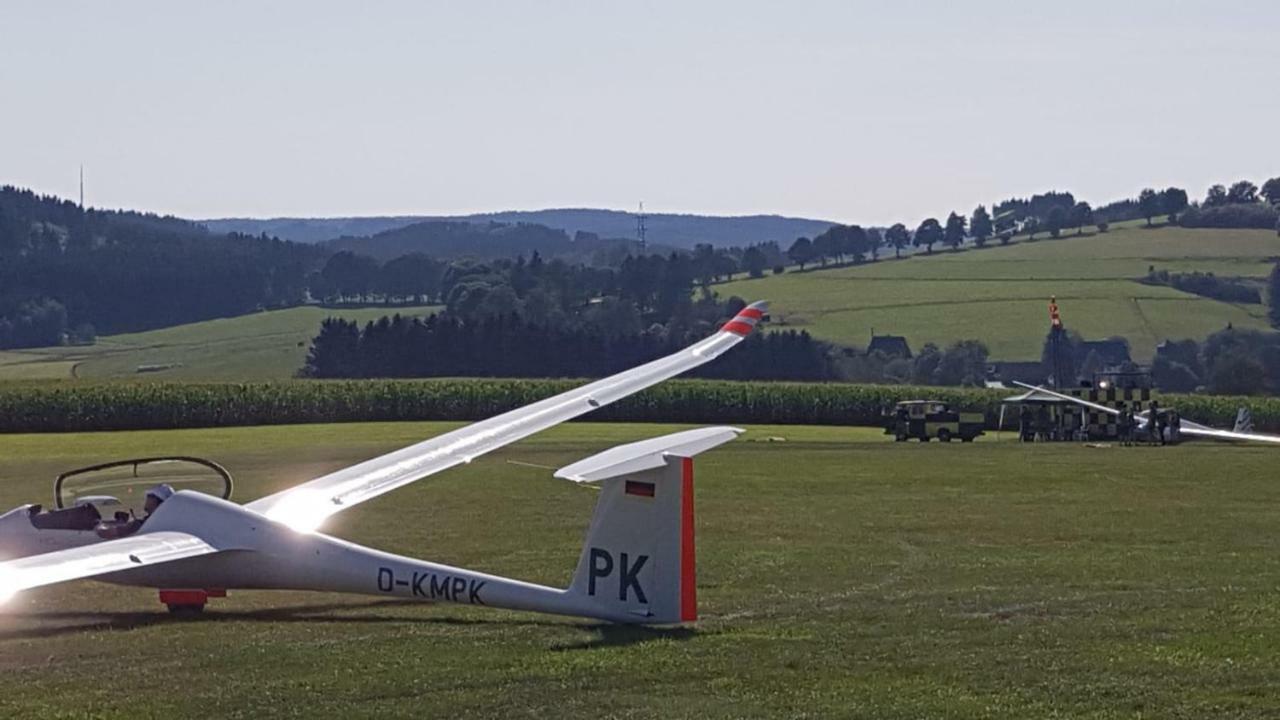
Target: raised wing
[(92, 560), (306, 506), (1069, 398), (1187, 427)]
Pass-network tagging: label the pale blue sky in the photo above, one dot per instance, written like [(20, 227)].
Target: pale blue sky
[(869, 112)]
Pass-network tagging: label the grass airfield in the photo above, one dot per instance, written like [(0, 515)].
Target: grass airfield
[(840, 575)]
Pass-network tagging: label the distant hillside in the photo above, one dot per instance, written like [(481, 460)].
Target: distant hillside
[(1000, 295), (448, 240), (682, 231), (68, 273)]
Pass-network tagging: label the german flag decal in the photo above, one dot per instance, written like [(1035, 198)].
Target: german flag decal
[(641, 489)]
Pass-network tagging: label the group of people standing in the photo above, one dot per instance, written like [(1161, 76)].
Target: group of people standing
[(1041, 425), (1162, 428)]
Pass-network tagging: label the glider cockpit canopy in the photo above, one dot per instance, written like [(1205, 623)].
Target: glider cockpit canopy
[(122, 485)]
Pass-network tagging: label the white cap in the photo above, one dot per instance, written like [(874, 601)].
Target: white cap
[(161, 492)]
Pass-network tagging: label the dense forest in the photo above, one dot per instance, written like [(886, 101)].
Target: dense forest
[(507, 346), (68, 273)]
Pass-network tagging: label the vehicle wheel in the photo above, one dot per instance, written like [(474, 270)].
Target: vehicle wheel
[(944, 435)]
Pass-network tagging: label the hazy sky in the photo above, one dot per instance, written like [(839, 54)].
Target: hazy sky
[(869, 112)]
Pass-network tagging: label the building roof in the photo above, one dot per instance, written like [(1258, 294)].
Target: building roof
[(1111, 352)]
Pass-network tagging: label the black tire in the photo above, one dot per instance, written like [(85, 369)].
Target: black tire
[(944, 435)]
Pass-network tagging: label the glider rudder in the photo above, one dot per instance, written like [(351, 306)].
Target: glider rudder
[(639, 560)]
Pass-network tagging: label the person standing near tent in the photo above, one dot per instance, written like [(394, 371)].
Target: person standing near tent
[(1156, 425), (1124, 427)]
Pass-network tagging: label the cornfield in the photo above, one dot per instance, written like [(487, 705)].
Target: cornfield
[(111, 406)]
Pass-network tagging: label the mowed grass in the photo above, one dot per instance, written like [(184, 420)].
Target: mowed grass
[(999, 295), (840, 575), (263, 346)]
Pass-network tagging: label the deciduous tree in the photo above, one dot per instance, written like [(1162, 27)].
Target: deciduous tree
[(928, 234), (1242, 192), (897, 237), (1173, 200), (1081, 214), (801, 251), (1149, 204), (1216, 196), (980, 226)]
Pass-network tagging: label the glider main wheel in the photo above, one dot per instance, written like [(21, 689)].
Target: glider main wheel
[(944, 435), (900, 437), (966, 439)]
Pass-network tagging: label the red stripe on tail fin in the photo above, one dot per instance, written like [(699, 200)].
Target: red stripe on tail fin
[(688, 549)]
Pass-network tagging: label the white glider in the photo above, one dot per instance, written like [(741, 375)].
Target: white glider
[(1189, 428), (637, 565)]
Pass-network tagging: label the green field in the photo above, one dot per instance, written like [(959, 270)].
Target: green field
[(840, 576), (1000, 294), (264, 346)]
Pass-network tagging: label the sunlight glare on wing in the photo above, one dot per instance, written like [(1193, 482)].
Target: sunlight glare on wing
[(302, 510), (8, 586)]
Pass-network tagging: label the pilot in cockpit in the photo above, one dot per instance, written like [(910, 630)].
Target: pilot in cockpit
[(125, 524)]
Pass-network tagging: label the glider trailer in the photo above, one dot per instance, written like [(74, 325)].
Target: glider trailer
[(636, 566)]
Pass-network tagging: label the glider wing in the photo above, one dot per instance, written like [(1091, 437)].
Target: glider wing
[(306, 506), (129, 553)]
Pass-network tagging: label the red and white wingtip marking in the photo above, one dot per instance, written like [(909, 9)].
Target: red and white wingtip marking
[(745, 321)]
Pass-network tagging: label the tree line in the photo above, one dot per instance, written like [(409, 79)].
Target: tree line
[(510, 346), (1242, 205), (67, 273)]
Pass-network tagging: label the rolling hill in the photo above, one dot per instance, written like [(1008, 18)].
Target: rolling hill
[(682, 231), (1000, 294), (263, 346)]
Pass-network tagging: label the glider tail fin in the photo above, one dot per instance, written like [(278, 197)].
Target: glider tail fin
[(638, 563), (1244, 421)]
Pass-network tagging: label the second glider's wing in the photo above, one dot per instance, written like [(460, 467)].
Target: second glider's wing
[(1198, 430), (306, 506), (129, 553)]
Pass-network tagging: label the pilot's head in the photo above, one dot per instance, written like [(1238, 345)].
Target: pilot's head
[(156, 496)]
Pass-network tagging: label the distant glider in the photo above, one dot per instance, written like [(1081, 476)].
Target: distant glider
[(637, 565)]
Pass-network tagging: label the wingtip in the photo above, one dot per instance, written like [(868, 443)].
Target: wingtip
[(747, 318)]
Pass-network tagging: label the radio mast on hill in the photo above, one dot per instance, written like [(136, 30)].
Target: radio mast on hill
[(640, 228)]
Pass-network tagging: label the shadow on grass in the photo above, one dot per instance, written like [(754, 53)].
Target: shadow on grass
[(57, 623), (607, 635)]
